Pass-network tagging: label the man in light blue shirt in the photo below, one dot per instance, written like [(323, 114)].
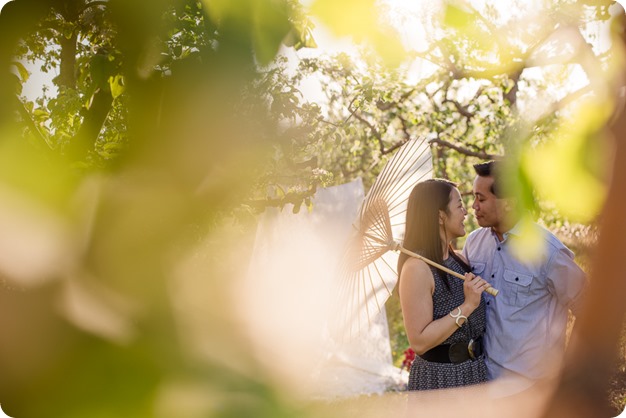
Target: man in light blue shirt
[(526, 322)]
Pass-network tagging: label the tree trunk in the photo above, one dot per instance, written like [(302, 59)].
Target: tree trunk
[(94, 119), (67, 75), (592, 355)]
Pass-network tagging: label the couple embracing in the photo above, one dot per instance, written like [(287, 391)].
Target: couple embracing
[(461, 334)]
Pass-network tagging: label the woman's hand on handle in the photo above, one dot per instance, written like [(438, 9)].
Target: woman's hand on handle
[(473, 287)]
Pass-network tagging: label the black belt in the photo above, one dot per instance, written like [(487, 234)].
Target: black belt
[(455, 353)]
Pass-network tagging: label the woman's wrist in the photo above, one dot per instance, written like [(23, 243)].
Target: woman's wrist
[(466, 310), (459, 316), (468, 307)]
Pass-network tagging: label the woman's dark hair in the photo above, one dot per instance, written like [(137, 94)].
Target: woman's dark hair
[(422, 222)]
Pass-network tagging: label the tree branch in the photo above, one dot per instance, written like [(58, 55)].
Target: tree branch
[(428, 56), (460, 108), (31, 124), (462, 150), (405, 128), (371, 127), (278, 202), (92, 124), (380, 105), (570, 98), (394, 147)]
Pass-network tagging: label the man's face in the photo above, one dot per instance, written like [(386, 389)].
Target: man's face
[(487, 207)]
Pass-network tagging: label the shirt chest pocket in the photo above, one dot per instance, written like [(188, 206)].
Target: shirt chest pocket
[(478, 268), (517, 284)]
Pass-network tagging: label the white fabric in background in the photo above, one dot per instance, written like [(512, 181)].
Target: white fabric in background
[(287, 295)]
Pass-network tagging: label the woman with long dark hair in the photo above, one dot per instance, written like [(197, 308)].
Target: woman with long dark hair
[(444, 317)]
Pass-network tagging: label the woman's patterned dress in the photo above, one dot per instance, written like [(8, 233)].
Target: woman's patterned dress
[(427, 375)]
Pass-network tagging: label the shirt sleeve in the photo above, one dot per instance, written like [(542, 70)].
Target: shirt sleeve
[(566, 279)]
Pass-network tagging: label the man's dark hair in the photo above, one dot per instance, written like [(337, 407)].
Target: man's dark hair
[(491, 169)]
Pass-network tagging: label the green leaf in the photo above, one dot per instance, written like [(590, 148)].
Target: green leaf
[(89, 100), (178, 50), (271, 26), (41, 113), (566, 171), (22, 71), (359, 19), (457, 18), (117, 85)]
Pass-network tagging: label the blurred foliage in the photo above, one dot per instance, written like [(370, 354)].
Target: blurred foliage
[(129, 188), (119, 188), (362, 21)]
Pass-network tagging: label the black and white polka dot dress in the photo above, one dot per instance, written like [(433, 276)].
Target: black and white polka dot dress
[(427, 375)]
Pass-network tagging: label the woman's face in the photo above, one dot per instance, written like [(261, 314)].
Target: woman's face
[(454, 220)]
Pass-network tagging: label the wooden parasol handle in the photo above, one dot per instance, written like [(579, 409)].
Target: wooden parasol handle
[(491, 290)]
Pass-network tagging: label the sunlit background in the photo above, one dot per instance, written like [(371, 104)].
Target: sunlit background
[(178, 180)]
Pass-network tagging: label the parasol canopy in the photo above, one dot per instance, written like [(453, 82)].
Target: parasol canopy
[(367, 271)]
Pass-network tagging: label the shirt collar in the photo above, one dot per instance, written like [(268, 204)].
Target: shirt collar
[(516, 230)]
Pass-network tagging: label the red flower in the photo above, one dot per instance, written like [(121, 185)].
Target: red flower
[(409, 356)]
